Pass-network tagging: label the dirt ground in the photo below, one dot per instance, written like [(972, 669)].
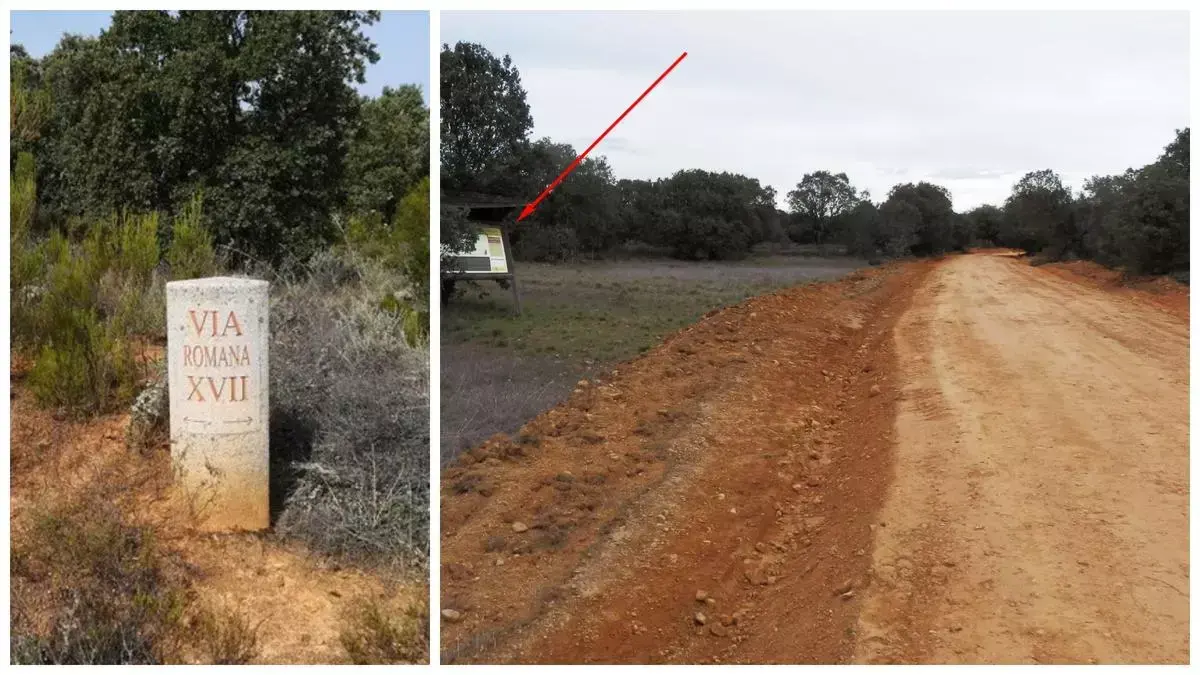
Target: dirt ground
[(968, 460), (296, 600), (1039, 507), (498, 370)]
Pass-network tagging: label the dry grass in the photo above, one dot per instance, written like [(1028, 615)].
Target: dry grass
[(91, 588), (349, 418), (373, 634)]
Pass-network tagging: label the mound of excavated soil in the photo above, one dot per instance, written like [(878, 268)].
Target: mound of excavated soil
[(706, 502)]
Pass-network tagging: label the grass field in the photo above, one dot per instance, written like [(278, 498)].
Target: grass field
[(500, 370)]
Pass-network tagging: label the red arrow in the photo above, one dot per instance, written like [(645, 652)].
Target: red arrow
[(529, 208)]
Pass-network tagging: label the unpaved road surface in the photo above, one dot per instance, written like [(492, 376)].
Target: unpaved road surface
[(1039, 508), (969, 460)]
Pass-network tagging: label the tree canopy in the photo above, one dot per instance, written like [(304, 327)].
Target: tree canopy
[(1137, 219), (256, 109)]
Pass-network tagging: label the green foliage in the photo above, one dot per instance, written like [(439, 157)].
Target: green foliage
[(389, 154), (414, 322), (1038, 215), (458, 233), (23, 198), (485, 120), (711, 216), (190, 254), (581, 217), (84, 361), (410, 232), (820, 200), (919, 219), (402, 244), (29, 103), (254, 107), (1138, 220), (76, 305), (985, 224)]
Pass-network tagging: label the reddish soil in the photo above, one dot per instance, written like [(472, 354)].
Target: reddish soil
[(722, 462), (1164, 292), (964, 461), (296, 600)]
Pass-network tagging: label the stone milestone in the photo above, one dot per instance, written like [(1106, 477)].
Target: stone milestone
[(217, 368)]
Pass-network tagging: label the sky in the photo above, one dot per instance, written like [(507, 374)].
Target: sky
[(968, 100), (401, 39)]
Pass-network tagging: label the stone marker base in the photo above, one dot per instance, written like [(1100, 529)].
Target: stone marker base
[(217, 367)]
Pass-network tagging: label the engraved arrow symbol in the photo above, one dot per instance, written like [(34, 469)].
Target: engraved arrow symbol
[(241, 421), (204, 422)]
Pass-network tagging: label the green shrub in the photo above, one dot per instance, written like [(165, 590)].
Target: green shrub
[(79, 317), (190, 255), (402, 245), (27, 268), (410, 233), (86, 366)]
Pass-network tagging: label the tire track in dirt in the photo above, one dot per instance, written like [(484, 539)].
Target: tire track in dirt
[(733, 472), (1039, 508)]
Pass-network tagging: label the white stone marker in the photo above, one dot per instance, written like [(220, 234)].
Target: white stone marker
[(217, 373)]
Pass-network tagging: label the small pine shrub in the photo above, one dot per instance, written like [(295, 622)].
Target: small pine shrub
[(410, 234), (86, 367), (191, 255)]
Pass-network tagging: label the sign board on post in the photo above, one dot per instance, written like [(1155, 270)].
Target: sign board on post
[(489, 255), (217, 369)]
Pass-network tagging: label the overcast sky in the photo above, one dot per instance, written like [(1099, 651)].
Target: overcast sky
[(968, 100)]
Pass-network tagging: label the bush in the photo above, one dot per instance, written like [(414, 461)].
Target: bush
[(402, 246), (84, 361), (85, 367), (349, 418), (190, 254), (79, 298), (547, 243), (411, 234)]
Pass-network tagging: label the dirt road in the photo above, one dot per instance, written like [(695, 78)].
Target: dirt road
[(971, 460), (1039, 508)]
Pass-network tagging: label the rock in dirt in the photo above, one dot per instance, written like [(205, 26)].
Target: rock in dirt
[(149, 417), (700, 619), (701, 596), (718, 630), (451, 615), (519, 527)]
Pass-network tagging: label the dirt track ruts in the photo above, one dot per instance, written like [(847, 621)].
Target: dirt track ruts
[(971, 460), (1039, 509)]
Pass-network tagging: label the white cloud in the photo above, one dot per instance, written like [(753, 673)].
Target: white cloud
[(970, 100)]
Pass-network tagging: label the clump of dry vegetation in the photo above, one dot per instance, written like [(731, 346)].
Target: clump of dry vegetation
[(374, 634), (90, 587), (350, 414)]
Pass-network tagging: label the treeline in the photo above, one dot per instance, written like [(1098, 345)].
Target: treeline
[(183, 144), (254, 109), (1137, 220)]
